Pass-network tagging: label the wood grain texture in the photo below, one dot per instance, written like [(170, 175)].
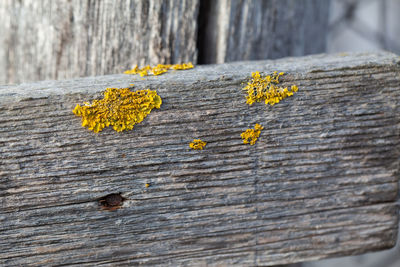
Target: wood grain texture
[(321, 181), (44, 39), (258, 29)]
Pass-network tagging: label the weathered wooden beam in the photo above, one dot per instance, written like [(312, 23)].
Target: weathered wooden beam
[(46, 39), (259, 29), (321, 181)]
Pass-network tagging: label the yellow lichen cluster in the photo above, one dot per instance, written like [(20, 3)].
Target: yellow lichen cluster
[(197, 144), (120, 108), (252, 134), (266, 89), (159, 69)]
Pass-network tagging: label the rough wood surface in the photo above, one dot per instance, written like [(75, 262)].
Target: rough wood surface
[(44, 39), (258, 29), (322, 180)]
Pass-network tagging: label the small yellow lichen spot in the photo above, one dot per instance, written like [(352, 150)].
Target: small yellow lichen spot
[(251, 135), (143, 73), (119, 108), (132, 71), (183, 66), (266, 89), (159, 69), (197, 144)]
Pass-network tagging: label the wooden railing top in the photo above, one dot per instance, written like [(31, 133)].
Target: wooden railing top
[(321, 181)]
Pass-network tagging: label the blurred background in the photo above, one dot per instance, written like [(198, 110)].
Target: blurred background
[(364, 25), (361, 26), (44, 39)]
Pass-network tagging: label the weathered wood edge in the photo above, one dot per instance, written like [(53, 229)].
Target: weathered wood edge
[(239, 71)]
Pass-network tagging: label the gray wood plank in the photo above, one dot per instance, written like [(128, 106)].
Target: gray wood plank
[(261, 29), (62, 39), (321, 181)]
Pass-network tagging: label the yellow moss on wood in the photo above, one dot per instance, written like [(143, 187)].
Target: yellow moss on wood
[(119, 108), (159, 69), (197, 144), (251, 135), (266, 89)]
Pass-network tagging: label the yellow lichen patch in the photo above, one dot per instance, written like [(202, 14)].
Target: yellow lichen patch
[(183, 66), (251, 135), (119, 108), (159, 69), (197, 144), (266, 89)]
